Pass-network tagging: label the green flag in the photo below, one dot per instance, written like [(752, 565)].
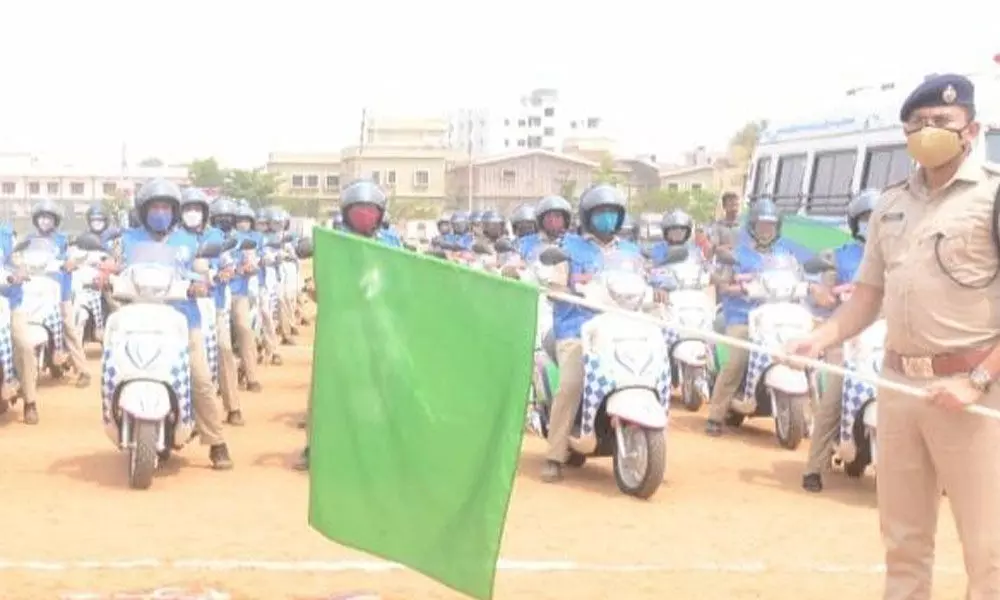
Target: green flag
[(420, 378)]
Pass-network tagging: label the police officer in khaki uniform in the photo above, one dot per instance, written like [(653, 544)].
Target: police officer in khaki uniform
[(725, 231), (932, 259)]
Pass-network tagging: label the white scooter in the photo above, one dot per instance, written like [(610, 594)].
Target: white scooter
[(38, 257), (146, 378), (688, 306), (8, 378), (771, 389), (623, 411), (88, 302)]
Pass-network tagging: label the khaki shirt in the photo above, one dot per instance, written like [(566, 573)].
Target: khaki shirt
[(926, 312), (725, 233)]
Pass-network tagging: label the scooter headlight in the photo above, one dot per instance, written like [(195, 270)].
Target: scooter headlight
[(152, 281), (628, 290)]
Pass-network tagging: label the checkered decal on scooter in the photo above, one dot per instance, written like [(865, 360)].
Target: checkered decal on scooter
[(91, 300), (212, 352), (671, 336), (180, 372), (854, 394), (7, 354), (54, 323), (597, 385), (758, 363)]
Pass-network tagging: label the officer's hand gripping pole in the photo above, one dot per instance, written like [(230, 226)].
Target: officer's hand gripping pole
[(726, 340)]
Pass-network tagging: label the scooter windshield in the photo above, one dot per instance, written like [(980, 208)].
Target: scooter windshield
[(624, 276), (689, 275), (154, 266), (780, 276), (38, 254)]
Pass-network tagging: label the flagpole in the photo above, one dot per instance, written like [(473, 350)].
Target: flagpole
[(361, 142), (470, 161)]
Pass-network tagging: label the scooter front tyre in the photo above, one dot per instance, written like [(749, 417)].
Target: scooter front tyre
[(142, 454), (656, 464)]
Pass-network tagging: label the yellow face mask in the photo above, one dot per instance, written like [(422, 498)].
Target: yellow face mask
[(932, 147)]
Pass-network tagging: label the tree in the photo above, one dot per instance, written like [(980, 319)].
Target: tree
[(256, 185), (744, 142), (206, 173), (117, 203), (568, 190), (698, 203), (151, 161), (606, 172)]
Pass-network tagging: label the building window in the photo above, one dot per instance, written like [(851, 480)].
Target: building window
[(34, 188), (390, 177), (550, 112), (520, 122), (761, 178), (506, 143), (506, 122), (109, 189), (508, 176), (672, 186), (377, 177), (298, 181), (593, 123), (886, 166), (520, 143), (549, 131), (312, 181), (52, 188), (572, 124), (535, 122), (696, 186), (788, 180), (421, 178), (9, 188), (832, 179), (332, 182), (76, 188), (535, 141)]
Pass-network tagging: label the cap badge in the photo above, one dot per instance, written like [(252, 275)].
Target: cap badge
[(949, 95)]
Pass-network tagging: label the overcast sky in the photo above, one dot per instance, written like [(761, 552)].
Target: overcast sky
[(236, 79)]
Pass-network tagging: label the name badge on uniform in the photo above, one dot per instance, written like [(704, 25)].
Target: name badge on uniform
[(891, 217)]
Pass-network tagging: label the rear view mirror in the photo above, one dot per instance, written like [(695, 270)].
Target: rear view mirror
[(818, 264), (481, 248), (304, 249), (247, 244), (552, 256), (725, 256), (676, 254), (229, 244), (503, 245), (111, 233), (209, 250), (21, 246), (89, 242)]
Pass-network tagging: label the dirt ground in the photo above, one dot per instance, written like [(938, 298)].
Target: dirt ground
[(730, 522)]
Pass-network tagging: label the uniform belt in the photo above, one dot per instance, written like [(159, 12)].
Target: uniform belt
[(938, 365)]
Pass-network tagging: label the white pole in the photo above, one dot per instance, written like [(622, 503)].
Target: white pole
[(361, 143), (470, 182)]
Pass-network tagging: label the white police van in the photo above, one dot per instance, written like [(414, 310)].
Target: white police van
[(814, 167)]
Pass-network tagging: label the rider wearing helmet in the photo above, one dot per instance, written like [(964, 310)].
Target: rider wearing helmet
[(553, 215), (280, 223), (602, 211), (845, 261), (460, 234), (494, 226), (244, 282), (476, 223), (443, 230), (522, 222), (763, 239), (158, 204), (268, 288), (677, 227), (97, 219)]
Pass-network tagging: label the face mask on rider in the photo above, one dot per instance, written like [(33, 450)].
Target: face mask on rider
[(224, 223), (45, 223), (159, 220), (364, 219), (933, 147), (604, 222), (192, 218), (98, 225)]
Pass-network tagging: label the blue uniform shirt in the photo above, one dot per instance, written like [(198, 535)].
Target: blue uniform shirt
[(736, 309), (13, 293), (180, 239), (586, 257), (847, 259), (240, 284)]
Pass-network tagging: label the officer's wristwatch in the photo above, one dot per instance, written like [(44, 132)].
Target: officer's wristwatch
[(981, 379)]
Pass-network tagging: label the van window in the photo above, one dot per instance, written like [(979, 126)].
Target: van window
[(761, 177), (993, 146), (886, 166), (830, 189), (788, 182)]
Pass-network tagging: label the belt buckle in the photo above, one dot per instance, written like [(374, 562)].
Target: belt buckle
[(918, 367)]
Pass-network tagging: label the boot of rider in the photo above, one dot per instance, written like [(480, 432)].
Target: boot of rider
[(228, 373), (206, 413), (26, 364)]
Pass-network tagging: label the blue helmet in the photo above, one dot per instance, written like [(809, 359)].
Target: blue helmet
[(460, 221)]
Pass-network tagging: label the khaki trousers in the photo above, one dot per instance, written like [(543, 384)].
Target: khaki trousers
[(923, 449), (286, 316), (74, 345), (245, 337), (730, 376), (826, 420), (206, 413), (24, 356), (562, 414), (228, 374), (268, 334)]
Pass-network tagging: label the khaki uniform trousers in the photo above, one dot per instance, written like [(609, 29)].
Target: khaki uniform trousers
[(206, 412), (24, 356), (268, 333), (228, 374), (245, 337), (569, 356), (923, 449), (286, 316), (826, 420), (730, 376), (74, 345)]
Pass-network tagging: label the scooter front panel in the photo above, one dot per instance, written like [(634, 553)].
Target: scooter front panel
[(854, 394), (180, 382), (598, 382), (91, 300), (758, 363), (52, 320)]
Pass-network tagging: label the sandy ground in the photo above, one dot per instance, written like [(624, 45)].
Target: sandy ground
[(730, 522)]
